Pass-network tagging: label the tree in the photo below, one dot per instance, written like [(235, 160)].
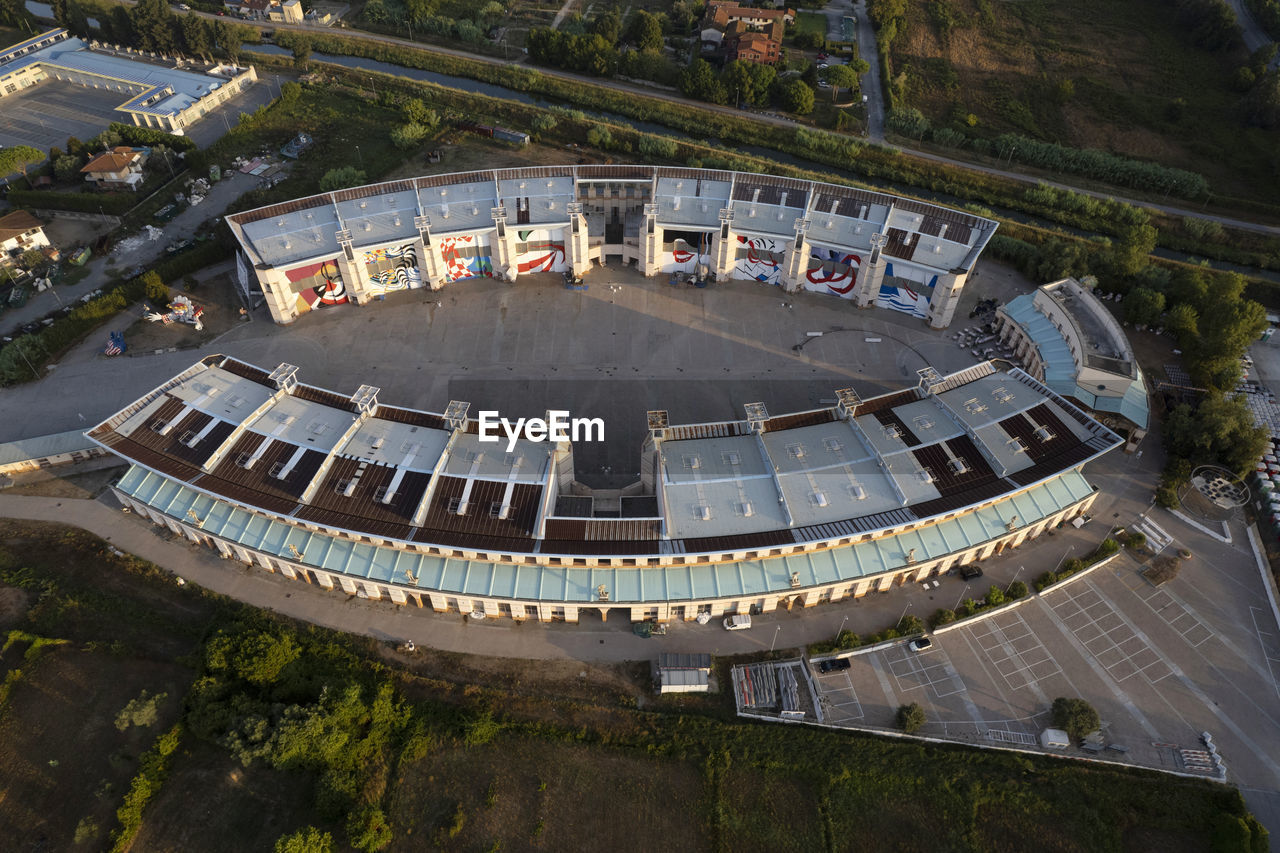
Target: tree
[(154, 26), (368, 829), (1134, 244), (305, 840), (1181, 320), (600, 137), (1220, 430), (67, 167), (699, 81), (911, 718), (995, 596), (196, 36), (645, 31), (1017, 590), (908, 122), (796, 97), (1076, 717), (416, 110), (341, 178), (1143, 307), (301, 53), (608, 26), (408, 135), (18, 158), (1262, 105), (841, 77)]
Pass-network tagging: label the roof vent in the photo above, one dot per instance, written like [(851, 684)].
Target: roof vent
[(692, 462), (959, 466), (702, 512), (832, 444), (857, 492), (819, 499), (892, 432), (926, 476), (747, 509), (1044, 434), (732, 457)]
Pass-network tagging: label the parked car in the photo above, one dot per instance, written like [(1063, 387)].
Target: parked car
[(833, 665), (970, 572), (737, 623), (920, 644)]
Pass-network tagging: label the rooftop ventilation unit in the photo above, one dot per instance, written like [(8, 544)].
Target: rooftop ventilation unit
[(1001, 394), (958, 465), (973, 407), (926, 476), (702, 512), (732, 458), (747, 509), (832, 444), (692, 462), (819, 499), (922, 422), (892, 432), (857, 492), (1044, 434), (797, 451)]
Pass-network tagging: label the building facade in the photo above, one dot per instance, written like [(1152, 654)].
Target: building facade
[(350, 246), (734, 517)]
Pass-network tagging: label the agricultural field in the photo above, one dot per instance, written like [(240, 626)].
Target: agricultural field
[(283, 726), (1132, 78)]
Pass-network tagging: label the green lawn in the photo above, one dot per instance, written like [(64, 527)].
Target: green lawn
[(811, 22)]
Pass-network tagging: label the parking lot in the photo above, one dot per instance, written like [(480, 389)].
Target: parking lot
[(1160, 664)]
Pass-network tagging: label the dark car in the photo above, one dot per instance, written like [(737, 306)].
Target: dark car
[(833, 665), (970, 572)]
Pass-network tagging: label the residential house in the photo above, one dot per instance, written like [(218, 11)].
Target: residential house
[(118, 169), (738, 32), (21, 232)]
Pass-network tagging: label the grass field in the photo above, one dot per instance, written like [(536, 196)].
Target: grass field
[(502, 755), (811, 22), (1125, 77)]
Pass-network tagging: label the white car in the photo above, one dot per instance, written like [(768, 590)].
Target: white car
[(737, 623)]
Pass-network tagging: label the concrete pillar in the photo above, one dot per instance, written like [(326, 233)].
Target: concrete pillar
[(281, 300), (430, 264), (797, 260), (504, 247), (725, 247), (946, 296), (870, 274), (576, 245), (650, 242), (355, 275)]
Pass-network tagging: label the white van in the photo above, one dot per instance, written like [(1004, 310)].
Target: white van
[(737, 623)]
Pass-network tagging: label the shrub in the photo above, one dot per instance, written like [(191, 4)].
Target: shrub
[(368, 829), (847, 640), (911, 718), (995, 596), (600, 137), (910, 624), (142, 711), (341, 178), (305, 840), (1070, 567), (1108, 547), (942, 616), (658, 146), (1017, 590), (1045, 581), (1136, 540)]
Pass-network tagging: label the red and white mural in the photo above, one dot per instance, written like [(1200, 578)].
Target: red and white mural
[(543, 251), (762, 259), (684, 251), (466, 256), (832, 271)]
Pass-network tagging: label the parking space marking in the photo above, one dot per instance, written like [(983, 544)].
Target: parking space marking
[(931, 669), (838, 696), (1014, 650), (1270, 644), (1175, 614), (1106, 635)]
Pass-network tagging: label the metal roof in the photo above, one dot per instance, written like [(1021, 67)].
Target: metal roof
[(578, 585)]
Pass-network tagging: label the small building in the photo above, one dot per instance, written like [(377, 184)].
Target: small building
[(1055, 739), (118, 169), (753, 47), (1065, 337), (287, 12), (684, 673), (21, 232)]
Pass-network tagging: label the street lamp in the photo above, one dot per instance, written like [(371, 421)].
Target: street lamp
[(840, 630), (904, 613), (775, 638), (359, 156), (1015, 577), (961, 598)]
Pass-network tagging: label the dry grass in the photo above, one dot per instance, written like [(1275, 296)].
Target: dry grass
[(1128, 62)]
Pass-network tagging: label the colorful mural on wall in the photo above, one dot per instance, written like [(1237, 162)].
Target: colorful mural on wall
[(832, 271), (317, 285), (544, 251), (762, 260), (403, 272), (903, 299), (466, 256), (684, 254), (928, 280)]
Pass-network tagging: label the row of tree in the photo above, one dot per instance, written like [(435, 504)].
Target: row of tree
[(151, 25)]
